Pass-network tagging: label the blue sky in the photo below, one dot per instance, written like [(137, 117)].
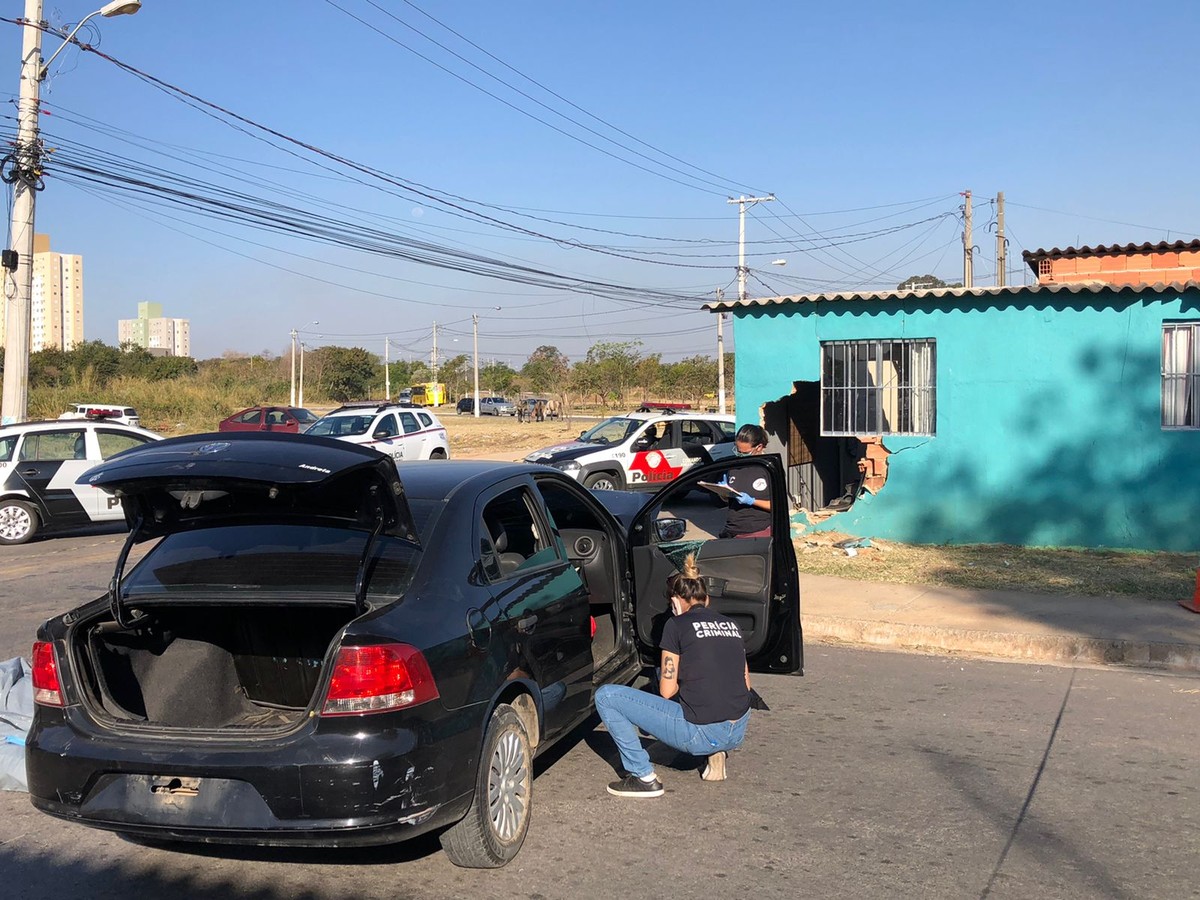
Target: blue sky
[(859, 117)]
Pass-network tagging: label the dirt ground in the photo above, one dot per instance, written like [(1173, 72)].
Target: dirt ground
[(503, 437)]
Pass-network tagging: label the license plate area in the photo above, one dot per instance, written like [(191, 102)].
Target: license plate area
[(174, 787)]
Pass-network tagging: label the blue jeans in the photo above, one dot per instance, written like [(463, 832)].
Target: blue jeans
[(625, 710)]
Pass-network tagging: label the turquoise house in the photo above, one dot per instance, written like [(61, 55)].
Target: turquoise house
[(1058, 414)]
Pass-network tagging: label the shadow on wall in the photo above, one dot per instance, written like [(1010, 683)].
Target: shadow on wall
[(1102, 476)]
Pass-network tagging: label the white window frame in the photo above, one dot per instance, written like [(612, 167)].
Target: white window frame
[(879, 386), (1181, 376)]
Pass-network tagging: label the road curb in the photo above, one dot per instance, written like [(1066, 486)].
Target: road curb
[(1052, 648)]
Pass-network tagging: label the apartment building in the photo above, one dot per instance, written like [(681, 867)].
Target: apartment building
[(56, 319), (154, 331)]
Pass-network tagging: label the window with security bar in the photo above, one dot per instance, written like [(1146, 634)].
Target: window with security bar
[(871, 388), (1180, 375)]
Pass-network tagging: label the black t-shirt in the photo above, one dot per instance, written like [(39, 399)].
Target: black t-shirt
[(755, 481), (712, 665)]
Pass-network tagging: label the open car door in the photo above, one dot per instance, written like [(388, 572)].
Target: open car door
[(752, 580)]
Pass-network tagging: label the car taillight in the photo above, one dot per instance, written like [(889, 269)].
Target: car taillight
[(593, 618), (378, 678), (46, 689)]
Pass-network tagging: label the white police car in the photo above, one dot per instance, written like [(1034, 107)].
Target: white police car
[(394, 429), (39, 464), (639, 451)]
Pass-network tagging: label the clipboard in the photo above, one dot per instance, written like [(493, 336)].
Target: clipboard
[(724, 491)]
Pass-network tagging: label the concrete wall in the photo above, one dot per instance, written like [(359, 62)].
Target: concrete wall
[(1048, 423)]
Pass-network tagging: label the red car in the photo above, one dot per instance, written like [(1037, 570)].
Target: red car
[(290, 419)]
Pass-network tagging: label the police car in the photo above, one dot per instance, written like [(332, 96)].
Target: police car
[(39, 463), (641, 450), (398, 430)]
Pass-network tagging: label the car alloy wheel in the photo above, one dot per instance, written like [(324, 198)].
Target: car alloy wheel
[(508, 787), (18, 522), (494, 827)]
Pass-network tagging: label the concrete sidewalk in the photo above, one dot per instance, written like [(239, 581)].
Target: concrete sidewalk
[(1002, 624)]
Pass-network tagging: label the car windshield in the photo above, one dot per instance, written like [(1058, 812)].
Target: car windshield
[(304, 416), (340, 426), (611, 431), (272, 558), (497, 400)]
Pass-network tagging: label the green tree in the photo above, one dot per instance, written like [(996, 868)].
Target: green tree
[(694, 377), (456, 373), (93, 361), (500, 378), (924, 282), (649, 374), (615, 365), (348, 372), (547, 370)]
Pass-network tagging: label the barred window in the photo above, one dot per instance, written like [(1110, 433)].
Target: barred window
[(1180, 375), (871, 388)]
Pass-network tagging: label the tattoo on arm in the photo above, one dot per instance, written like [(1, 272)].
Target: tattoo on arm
[(669, 668)]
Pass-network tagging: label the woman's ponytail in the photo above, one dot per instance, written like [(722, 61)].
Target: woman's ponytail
[(687, 584)]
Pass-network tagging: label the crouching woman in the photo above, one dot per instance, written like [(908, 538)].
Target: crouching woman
[(704, 667)]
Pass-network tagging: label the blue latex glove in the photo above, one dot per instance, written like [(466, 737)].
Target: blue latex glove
[(724, 479), (745, 499)]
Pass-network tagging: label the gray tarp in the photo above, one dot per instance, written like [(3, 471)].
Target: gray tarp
[(16, 715)]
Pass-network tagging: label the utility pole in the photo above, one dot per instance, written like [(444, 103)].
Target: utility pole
[(968, 244), (475, 341), (292, 400), (433, 357), (741, 202), (1001, 243), (387, 370), (26, 178), (720, 355), (301, 395)]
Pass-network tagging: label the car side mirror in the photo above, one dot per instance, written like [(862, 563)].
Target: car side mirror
[(381, 434), (582, 433), (669, 530)]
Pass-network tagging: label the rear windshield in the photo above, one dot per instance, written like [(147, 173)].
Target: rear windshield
[(340, 426), (272, 558)]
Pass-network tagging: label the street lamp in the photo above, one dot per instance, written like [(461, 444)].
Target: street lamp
[(475, 338), (292, 398), (108, 10), (25, 175)]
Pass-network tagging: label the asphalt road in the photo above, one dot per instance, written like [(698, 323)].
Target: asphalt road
[(875, 775)]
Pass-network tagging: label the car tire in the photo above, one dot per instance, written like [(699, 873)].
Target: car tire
[(495, 826), (602, 481), (439, 453), (18, 522)]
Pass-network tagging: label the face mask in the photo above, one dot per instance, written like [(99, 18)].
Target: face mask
[(742, 453)]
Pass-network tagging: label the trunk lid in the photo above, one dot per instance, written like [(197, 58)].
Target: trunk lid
[(185, 482)]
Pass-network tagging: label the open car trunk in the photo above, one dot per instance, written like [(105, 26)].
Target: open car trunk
[(208, 667)]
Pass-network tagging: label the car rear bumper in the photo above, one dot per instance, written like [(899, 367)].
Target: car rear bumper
[(328, 790)]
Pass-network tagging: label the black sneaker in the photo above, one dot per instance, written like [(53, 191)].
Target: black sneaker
[(714, 770), (632, 786)]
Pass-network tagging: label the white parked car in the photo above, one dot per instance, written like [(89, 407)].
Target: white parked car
[(106, 412), (39, 464), (396, 430)]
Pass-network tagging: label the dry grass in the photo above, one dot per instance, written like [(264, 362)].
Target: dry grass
[(1098, 573)]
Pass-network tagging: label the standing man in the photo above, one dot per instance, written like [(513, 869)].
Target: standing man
[(749, 513)]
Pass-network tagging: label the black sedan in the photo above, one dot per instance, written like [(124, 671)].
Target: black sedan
[(316, 652)]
